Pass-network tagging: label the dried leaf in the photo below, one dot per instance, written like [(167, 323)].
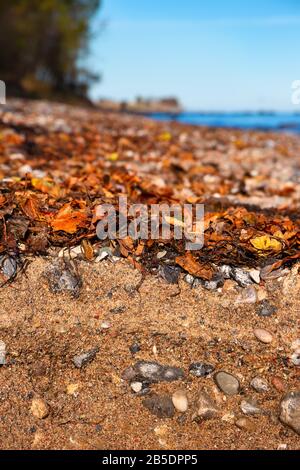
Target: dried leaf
[(68, 220), (196, 268)]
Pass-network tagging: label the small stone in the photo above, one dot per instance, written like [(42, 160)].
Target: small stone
[(39, 408), (227, 383), (136, 386), (84, 358), (105, 325), (2, 353), (265, 309), (247, 295), (295, 358), (255, 275), (290, 411), (216, 282), (180, 401), (8, 266), (259, 384), (245, 424), (200, 369), (241, 277), (61, 277), (225, 270), (160, 406), (278, 384), (189, 279), (161, 254), (104, 252), (153, 372), (135, 348), (72, 389), (206, 407), (169, 273), (263, 336), (249, 407)]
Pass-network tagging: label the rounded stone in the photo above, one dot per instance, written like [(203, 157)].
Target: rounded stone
[(259, 384), (263, 336), (180, 401), (39, 408), (227, 383), (290, 411)]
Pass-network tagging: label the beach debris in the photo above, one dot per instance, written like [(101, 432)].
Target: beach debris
[(201, 369), (160, 405), (180, 401), (290, 410), (263, 335), (152, 372), (82, 359), (227, 383)]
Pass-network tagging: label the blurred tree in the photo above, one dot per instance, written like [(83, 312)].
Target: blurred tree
[(41, 43)]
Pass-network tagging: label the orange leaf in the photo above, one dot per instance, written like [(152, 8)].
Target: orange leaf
[(196, 268), (68, 220)]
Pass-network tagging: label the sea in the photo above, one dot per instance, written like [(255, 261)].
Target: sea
[(281, 122)]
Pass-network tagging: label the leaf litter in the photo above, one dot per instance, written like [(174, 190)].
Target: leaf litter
[(59, 164)]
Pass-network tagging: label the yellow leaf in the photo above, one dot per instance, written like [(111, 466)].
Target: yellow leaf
[(113, 157), (266, 243), (47, 186), (165, 137)]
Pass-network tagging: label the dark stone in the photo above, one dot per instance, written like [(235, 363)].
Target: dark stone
[(200, 369), (62, 277), (82, 359), (160, 406), (135, 348), (169, 273), (265, 309)]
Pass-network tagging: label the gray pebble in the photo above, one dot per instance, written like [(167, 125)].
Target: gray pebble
[(290, 411), (169, 273), (295, 358), (259, 384), (8, 266), (265, 309), (160, 406), (200, 369), (61, 277), (2, 353), (216, 282), (241, 277), (249, 407), (84, 358), (153, 372), (227, 383), (206, 407)]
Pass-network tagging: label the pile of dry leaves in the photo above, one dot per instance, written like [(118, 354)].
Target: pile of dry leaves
[(58, 164)]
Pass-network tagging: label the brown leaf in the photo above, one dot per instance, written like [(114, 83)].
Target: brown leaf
[(196, 268)]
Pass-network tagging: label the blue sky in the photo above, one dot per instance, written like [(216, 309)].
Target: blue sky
[(213, 55)]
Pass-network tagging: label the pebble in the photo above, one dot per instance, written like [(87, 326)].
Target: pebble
[(295, 344), (263, 336), (39, 408), (8, 266), (189, 279), (249, 407), (200, 369), (290, 411), (295, 358), (104, 252), (180, 401), (206, 407), (105, 325), (153, 372), (259, 384), (247, 295), (161, 254), (244, 424), (255, 275), (216, 282), (241, 277), (169, 273), (265, 309), (226, 271), (227, 383), (62, 278), (135, 348), (2, 353), (84, 358), (70, 253), (161, 406), (137, 387), (278, 384)]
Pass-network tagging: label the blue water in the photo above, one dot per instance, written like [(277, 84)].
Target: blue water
[(265, 121)]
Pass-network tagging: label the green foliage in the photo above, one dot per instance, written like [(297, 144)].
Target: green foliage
[(41, 42)]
